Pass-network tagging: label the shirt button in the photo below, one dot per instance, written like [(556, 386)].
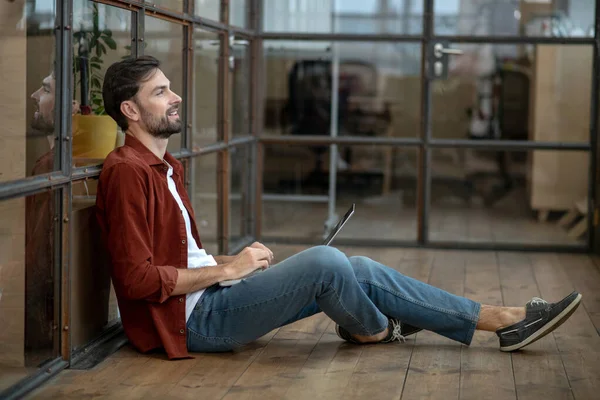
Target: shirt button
[(181, 299), (181, 331), (183, 241)]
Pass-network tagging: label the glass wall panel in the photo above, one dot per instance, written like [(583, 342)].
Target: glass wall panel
[(28, 92), (204, 195), (164, 40), (239, 12), (101, 37), (514, 92), (336, 16), (240, 91), (210, 9), (379, 88), (508, 197), (28, 285), (240, 170), (206, 81), (93, 301), (175, 5), (381, 180), (559, 18)]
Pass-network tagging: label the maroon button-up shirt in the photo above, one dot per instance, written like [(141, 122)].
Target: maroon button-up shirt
[(145, 235)]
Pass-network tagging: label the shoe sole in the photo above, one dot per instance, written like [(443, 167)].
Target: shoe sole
[(549, 327), (337, 330)]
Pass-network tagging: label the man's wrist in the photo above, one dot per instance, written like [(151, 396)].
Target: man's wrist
[(223, 259), (226, 272)]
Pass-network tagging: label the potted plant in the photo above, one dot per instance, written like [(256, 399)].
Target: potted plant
[(94, 132)]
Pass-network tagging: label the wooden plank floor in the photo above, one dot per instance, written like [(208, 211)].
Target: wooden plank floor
[(306, 360)]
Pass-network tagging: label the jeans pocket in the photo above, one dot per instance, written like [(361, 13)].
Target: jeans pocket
[(203, 344)]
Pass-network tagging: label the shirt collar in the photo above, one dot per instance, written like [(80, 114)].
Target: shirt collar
[(148, 156)]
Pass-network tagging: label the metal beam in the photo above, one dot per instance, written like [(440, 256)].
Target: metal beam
[(33, 381), (223, 127), (352, 37), (514, 145), (424, 158), (342, 37), (31, 185), (345, 140), (242, 141), (434, 245), (594, 114)]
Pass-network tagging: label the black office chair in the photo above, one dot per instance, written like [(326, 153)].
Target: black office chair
[(308, 109)]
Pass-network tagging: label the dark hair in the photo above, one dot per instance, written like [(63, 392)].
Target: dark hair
[(122, 82)]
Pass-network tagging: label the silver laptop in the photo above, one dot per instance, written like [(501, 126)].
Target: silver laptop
[(336, 229)]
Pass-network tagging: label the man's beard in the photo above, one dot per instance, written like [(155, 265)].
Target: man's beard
[(161, 127), (42, 124)]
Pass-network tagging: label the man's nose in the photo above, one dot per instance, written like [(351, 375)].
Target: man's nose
[(176, 98)]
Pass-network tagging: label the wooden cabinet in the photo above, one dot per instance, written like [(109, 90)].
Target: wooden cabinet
[(559, 112)]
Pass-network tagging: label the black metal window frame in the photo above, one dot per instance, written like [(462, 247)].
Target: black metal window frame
[(425, 143)]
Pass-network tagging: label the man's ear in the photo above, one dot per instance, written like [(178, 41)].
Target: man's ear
[(75, 109), (130, 110)]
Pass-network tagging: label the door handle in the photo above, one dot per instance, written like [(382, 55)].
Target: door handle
[(439, 50)]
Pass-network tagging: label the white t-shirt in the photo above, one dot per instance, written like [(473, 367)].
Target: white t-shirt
[(197, 257)]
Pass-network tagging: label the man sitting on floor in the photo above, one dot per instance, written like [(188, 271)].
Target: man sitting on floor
[(168, 287)]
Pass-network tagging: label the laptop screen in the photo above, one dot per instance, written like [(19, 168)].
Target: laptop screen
[(339, 225)]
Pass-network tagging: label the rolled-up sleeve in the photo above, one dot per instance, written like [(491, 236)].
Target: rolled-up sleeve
[(128, 236)]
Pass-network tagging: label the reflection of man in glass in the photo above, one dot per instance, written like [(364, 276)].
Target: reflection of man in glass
[(39, 236)]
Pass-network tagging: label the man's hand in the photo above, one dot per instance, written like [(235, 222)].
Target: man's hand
[(247, 261), (257, 245)]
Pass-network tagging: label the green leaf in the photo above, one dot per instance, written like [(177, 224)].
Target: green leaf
[(95, 66), (102, 47), (96, 82), (107, 32), (96, 59), (110, 42)]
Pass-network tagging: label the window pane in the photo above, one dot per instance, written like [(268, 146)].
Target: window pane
[(165, 42), (28, 299), (537, 92), (101, 37), (381, 180), (239, 12), (379, 88), (206, 81), (240, 87), (567, 18), (239, 193), (29, 90), (204, 195), (175, 5), (508, 197), (348, 16), (93, 301), (210, 9)]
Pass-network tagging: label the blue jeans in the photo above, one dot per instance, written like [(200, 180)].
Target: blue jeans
[(355, 292)]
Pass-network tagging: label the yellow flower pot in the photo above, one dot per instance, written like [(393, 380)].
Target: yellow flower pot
[(94, 136)]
